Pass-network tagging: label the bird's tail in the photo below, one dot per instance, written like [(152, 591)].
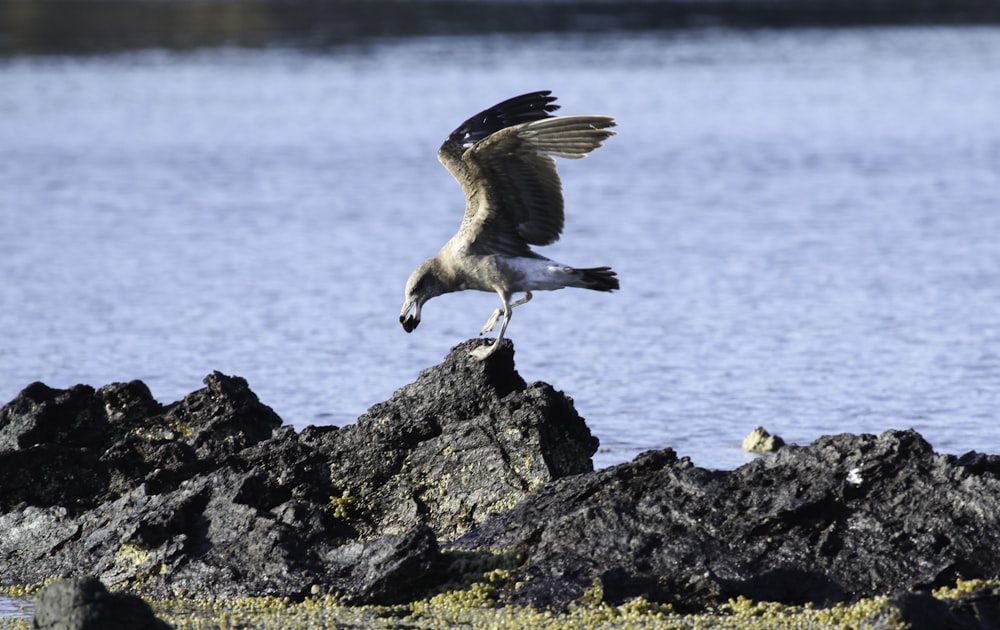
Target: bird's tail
[(598, 278)]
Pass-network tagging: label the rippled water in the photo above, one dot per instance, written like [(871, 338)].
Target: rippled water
[(805, 223), (11, 609)]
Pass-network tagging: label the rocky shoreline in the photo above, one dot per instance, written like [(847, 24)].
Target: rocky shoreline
[(212, 494)]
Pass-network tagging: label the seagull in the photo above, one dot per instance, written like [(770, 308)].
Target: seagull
[(502, 158)]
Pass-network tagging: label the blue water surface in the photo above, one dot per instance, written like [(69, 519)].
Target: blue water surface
[(805, 223)]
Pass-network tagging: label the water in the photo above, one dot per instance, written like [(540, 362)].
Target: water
[(805, 223), (12, 609)]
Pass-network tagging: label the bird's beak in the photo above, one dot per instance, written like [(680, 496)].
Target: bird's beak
[(408, 321)]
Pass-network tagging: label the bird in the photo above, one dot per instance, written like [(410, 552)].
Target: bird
[(503, 159)]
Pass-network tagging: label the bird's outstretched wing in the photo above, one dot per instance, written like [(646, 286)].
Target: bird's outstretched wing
[(513, 111), (513, 192)]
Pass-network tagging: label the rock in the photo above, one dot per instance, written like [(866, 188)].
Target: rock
[(789, 528), (218, 421), (760, 441), (976, 608), (466, 440), (40, 414), (212, 495), (83, 603), (916, 611), (50, 474), (980, 463), (392, 569), (97, 445)]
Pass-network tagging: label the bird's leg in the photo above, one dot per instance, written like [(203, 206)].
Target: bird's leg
[(524, 300), (482, 352), (492, 321)]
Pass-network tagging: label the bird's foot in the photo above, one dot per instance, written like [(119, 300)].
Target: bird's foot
[(491, 323), (482, 352)]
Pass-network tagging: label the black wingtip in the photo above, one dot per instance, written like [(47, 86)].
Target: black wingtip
[(526, 107), (513, 111)]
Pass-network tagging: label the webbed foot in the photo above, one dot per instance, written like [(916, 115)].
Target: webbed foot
[(482, 352)]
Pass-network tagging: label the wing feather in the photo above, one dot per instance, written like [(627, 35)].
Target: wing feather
[(513, 111), (514, 192)]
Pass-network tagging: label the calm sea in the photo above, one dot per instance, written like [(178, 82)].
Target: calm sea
[(806, 223)]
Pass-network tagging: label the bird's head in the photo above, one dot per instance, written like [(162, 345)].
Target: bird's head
[(424, 283)]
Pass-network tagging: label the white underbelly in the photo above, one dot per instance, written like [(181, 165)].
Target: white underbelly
[(539, 274)]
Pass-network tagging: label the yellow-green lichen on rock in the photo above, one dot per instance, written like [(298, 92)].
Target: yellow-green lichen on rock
[(133, 554), (475, 605), (342, 506)]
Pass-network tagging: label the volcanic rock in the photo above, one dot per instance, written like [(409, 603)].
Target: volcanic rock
[(83, 603), (847, 517), (212, 494)]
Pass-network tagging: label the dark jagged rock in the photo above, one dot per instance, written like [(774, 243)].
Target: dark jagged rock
[(211, 494), (50, 474), (389, 570), (83, 603), (843, 518), (466, 440), (40, 414), (917, 611), (977, 609), (96, 445)]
